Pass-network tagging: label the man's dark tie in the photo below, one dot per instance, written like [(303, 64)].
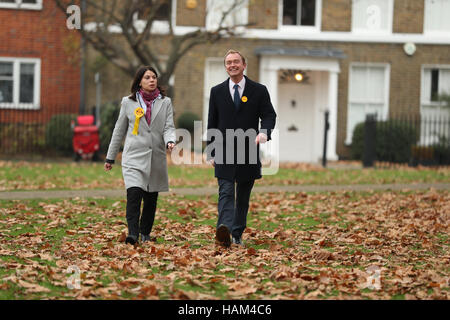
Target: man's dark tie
[(237, 98)]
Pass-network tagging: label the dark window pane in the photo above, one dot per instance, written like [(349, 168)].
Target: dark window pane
[(290, 12), (6, 69), (434, 84), (26, 82), (29, 1), (308, 12), (162, 13), (8, 1), (6, 91)]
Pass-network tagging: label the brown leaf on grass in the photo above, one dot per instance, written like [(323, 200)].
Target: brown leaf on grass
[(45, 256), (185, 295), (322, 255), (308, 277), (116, 204), (122, 237), (32, 288), (149, 290), (240, 289)]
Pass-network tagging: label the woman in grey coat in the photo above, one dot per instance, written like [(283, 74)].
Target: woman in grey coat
[(146, 122)]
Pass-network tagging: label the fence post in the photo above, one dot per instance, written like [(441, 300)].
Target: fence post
[(370, 131), (326, 128)]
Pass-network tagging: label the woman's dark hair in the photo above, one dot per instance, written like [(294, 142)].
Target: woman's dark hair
[(136, 85)]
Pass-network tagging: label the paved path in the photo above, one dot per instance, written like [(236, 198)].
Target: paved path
[(120, 193)]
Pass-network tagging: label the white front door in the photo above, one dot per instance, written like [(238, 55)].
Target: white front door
[(296, 121)]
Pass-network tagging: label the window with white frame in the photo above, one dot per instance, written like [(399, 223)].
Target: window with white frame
[(19, 83), (433, 109), (435, 84), (368, 94), (437, 16), (236, 12), (372, 16), (300, 13), (21, 4)]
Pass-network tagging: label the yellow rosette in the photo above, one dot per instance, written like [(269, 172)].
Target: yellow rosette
[(139, 113), (244, 99)]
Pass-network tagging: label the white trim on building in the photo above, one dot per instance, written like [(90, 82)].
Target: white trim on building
[(18, 4), (16, 63)]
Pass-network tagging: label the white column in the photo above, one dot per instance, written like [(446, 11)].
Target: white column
[(268, 76), (332, 118)]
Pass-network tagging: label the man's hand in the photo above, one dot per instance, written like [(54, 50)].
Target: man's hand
[(108, 166), (211, 162), (261, 138), (170, 146)]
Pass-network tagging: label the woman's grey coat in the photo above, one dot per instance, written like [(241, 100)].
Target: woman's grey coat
[(144, 162)]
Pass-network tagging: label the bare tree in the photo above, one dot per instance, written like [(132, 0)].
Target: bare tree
[(122, 32)]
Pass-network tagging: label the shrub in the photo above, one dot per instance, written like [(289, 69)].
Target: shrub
[(186, 121), (357, 147), (394, 140), (58, 133), (109, 112), (442, 153)]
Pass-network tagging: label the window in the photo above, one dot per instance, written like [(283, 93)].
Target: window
[(372, 16), (437, 16), (435, 82), (216, 8), (161, 20), (368, 94), (303, 14), (163, 12), (434, 112), (299, 12), (21, 4), (19, 83)]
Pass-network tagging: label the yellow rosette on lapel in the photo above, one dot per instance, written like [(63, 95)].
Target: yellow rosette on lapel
[(244, 99), (139, 113)]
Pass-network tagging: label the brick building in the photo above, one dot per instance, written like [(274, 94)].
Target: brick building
[(39, 62), (348, 57)]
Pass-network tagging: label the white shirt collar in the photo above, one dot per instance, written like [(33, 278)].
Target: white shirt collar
[(143, 104), (241, 84)]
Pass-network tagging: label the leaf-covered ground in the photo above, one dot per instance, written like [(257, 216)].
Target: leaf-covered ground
[(345, 245)]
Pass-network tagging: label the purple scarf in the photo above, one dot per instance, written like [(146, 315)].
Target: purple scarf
[(148, 99)]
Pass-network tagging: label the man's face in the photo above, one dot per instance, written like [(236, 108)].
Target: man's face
[(234, 65)]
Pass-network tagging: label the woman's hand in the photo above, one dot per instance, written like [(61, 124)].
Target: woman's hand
[(108, 166), (170, 146)]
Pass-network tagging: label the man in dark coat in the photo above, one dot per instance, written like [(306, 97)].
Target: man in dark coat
[(236, 107)]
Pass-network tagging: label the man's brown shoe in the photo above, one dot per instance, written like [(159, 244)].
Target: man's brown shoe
[(223, 235)]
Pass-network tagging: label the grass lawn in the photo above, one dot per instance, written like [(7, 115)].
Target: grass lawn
[(339, 245), (86, 175)]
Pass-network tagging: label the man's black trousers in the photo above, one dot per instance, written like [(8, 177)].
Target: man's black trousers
[(233, 205)]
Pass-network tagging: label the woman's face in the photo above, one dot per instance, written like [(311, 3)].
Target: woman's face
[(149, 81)]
